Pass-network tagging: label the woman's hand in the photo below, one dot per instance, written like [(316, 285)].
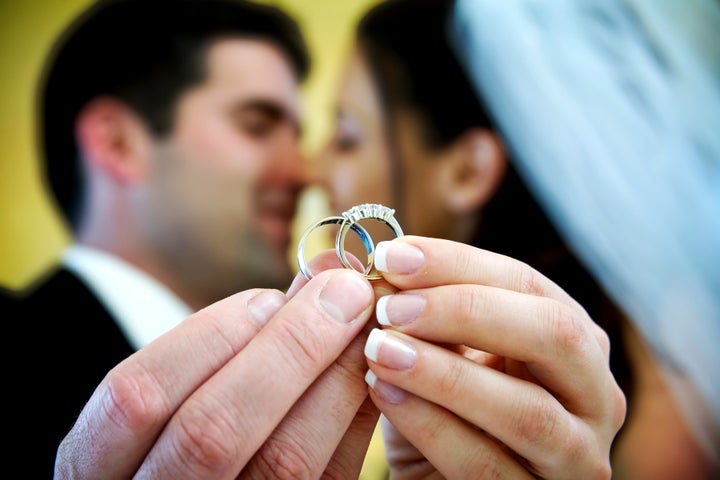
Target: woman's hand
[(488, 369)]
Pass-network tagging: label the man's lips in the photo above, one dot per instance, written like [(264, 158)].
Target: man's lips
[(276, 215), (276, 227)]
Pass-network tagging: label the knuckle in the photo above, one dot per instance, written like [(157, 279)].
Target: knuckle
[(224, 342), (575, 449), (537, 417), (337, 470), (454, 381), (467, 304), (581, 452), (203, 441), (596, 468), (602, 470), (529, 280), (352, 365), (462, 264), (603, 340), (285, 459), (567, 329), (303, 348), (571, 455), (133, 402), (620, 408), (485, 465)]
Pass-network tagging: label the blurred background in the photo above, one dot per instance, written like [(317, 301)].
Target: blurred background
[(31, 234)]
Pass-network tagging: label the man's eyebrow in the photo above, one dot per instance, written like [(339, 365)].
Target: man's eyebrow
[(272, 109)]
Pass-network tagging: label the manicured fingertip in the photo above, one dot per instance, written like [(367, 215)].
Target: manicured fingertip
[(398, 257)]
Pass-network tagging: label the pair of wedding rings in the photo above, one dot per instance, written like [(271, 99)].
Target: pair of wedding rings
[(349, 221)]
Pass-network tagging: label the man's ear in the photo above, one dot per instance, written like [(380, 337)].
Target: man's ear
[(476, 168), (113, 139)]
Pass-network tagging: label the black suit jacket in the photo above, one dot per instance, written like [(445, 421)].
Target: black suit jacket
[(67, 342)]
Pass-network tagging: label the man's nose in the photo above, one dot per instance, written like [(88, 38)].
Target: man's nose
[(287, 154)]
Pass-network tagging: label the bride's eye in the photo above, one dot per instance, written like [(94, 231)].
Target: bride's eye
[(347, 135)]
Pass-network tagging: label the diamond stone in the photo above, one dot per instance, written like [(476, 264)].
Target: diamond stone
[(369, 210)]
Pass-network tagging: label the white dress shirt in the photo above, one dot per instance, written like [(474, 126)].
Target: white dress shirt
[(143, 308)]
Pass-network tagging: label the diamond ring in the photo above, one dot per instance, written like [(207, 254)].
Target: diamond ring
[(361, 212), (349, 221)]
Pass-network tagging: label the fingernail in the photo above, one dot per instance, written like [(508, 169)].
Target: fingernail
[(387, 391), (398, 310), (345, 296), (398, 257), (389, 351), (264, 305)]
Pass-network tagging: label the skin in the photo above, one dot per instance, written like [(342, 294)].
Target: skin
[(655, 410), (241, 389), (439, 190), (197, 403), (244, 386), (511, 376), (204, 401), (207, 209)]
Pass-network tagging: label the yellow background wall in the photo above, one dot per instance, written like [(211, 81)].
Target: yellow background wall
[(31, 234)]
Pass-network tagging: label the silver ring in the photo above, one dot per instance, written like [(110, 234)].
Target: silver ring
[(362, 233), (361, 212)]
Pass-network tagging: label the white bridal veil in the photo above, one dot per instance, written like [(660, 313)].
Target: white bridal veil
[(611, 109)]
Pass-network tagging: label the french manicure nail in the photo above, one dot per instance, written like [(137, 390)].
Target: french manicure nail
[(398, 257), (398, 310), (389, 351), (345, 296), (387, 391)]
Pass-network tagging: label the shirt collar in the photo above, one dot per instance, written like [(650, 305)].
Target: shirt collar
[(143, 308)]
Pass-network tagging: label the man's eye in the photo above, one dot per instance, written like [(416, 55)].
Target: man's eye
[(257, 124)]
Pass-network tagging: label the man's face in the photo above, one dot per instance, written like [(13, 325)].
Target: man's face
[(220, 202)]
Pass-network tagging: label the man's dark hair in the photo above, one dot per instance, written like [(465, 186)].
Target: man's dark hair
[(144, 53)]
